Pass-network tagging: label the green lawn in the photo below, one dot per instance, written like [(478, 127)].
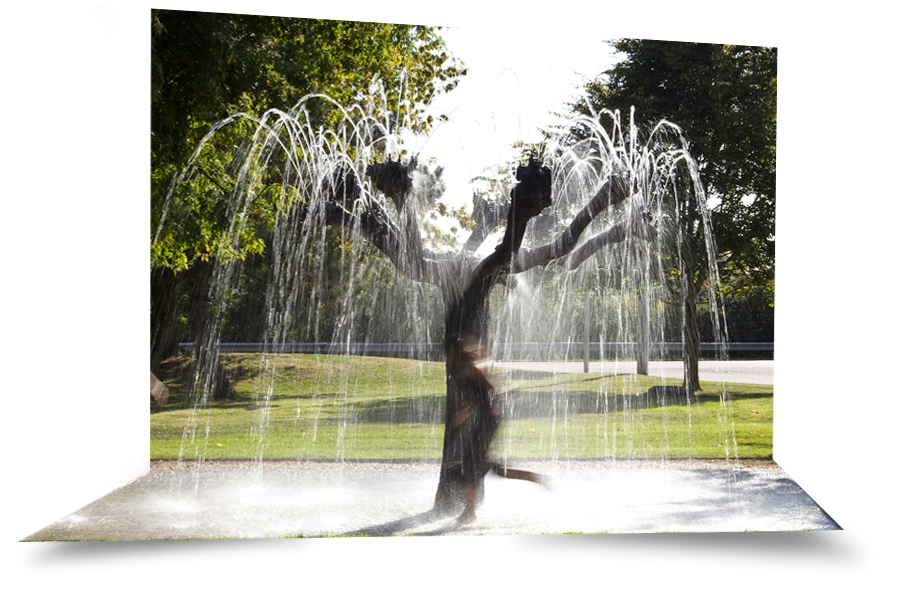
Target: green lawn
[(367, 407)]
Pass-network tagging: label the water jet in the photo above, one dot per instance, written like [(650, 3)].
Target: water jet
[(611, 190)]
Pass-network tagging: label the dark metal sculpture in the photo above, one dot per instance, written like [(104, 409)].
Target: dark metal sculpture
[(472, 406)]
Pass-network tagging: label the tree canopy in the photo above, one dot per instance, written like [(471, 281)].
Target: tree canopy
[(207, 66), (724, 99)]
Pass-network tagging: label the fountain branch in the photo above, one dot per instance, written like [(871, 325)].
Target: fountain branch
[(487, 216)]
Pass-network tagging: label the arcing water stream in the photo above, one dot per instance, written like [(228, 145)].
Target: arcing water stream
[(350, 261)]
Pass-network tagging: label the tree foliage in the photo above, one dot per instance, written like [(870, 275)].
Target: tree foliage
[(207, 66), (724, 99)]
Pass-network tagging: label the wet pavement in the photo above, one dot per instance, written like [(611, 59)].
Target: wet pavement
[(238, 499), (242, 500)]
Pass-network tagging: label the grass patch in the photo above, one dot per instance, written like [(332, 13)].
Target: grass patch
[(338, 407)]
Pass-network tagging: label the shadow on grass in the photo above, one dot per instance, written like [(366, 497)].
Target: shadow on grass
[(529, 375), (537, 404), (429, 410), (557, 383), (527, 404), (545, 396), (248, 403), (422, 409)]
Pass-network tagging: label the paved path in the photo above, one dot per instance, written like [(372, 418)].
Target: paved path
[(732, 371), (385, 499)]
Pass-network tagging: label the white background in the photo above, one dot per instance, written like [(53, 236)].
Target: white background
[(837, 224)]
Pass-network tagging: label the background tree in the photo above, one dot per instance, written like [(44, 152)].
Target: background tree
[(206, 66), (724, 99)]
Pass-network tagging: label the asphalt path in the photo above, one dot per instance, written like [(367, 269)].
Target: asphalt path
[(731, 371)]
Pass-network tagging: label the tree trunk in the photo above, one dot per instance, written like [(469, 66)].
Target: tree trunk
[(466, 324), (472, 418), (587, 332), (643, 336), (691, 343), (163, 314), (213, 375)]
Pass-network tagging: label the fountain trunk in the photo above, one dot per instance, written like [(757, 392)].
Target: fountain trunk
[(466, 328)]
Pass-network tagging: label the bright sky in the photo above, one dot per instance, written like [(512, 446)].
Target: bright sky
[(509, 93)]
